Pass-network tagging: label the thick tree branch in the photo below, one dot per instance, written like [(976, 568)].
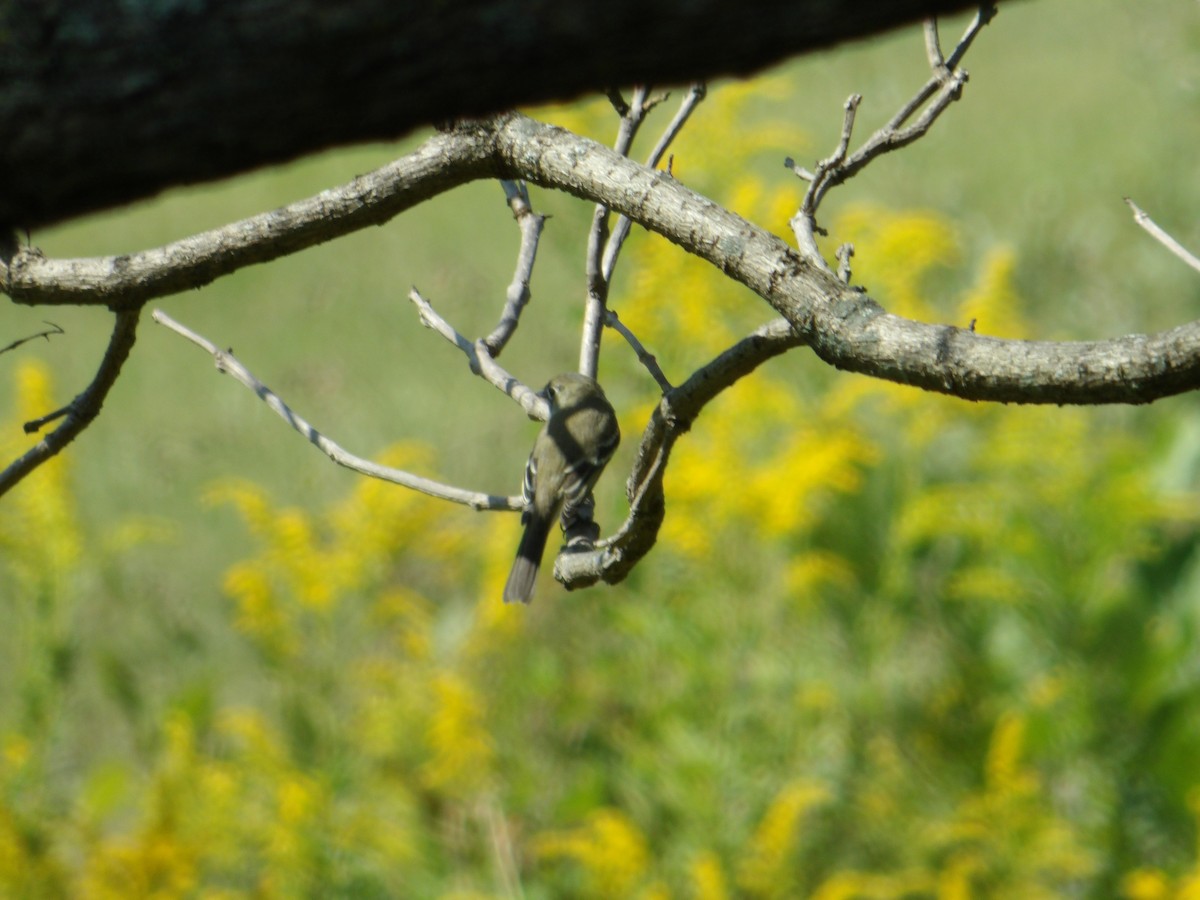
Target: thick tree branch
[(843, 326), (442, 162), (103, 102)]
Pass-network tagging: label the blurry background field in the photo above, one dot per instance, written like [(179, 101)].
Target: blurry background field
[(890, 645)]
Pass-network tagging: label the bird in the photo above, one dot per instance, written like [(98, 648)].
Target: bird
[(568, 456)]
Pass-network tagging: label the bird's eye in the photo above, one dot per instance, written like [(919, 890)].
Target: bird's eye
[(550, 392)]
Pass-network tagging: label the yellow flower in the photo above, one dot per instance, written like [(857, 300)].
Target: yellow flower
[(609, 847), (767, 868), (461, 747), (708, 878), (1146, 884)]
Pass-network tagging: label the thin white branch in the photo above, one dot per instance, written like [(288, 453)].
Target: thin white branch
[(481, 361), (1162, 236), (984, 15), (933, 45), (632, 115), (620, 230), (530, 223), (647, 359), (228, 364)]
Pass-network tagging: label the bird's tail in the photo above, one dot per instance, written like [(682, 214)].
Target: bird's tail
[(529, 558)]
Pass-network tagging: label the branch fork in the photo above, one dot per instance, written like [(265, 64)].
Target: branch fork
[(944, 86)]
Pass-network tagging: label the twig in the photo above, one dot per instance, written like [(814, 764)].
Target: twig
[(1160, 235), (632, 115), (844, 254), (228, 364), (52, 330), (604, 248), (480, 360), (81, 411), (931, 100), (648, 359), (597, 295), (530, 223), (983, 16), (804, 223), (933, 45), (620, 230)]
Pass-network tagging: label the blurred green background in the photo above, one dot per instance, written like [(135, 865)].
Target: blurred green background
[(890, 644)]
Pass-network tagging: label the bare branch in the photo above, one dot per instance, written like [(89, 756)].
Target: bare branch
[(843, 326), (804, 223), (983, 16), (229, 365), (445, 160), (632, 116), (517, 295), (481, 362), (931, 100), (844, 254), (617, 101), (620, 230), (647, 359), (597, 294), (81, 411), (1162, 236), (942, 70), (52, 330), (933, 45)]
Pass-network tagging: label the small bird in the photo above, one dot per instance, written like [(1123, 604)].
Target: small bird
[(568, 456)]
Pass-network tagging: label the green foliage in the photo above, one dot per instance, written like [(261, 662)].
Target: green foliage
[(890, 645)]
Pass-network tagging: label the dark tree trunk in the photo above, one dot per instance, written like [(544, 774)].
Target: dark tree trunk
[(103, 102)]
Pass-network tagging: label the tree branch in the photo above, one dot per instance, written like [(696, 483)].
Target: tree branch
[(1159, 234), (47, 334), (481, 362), (931, 100), (620, 230), (842, 325), (530, 223), (444, 161), (80, 412), (228, 364)]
